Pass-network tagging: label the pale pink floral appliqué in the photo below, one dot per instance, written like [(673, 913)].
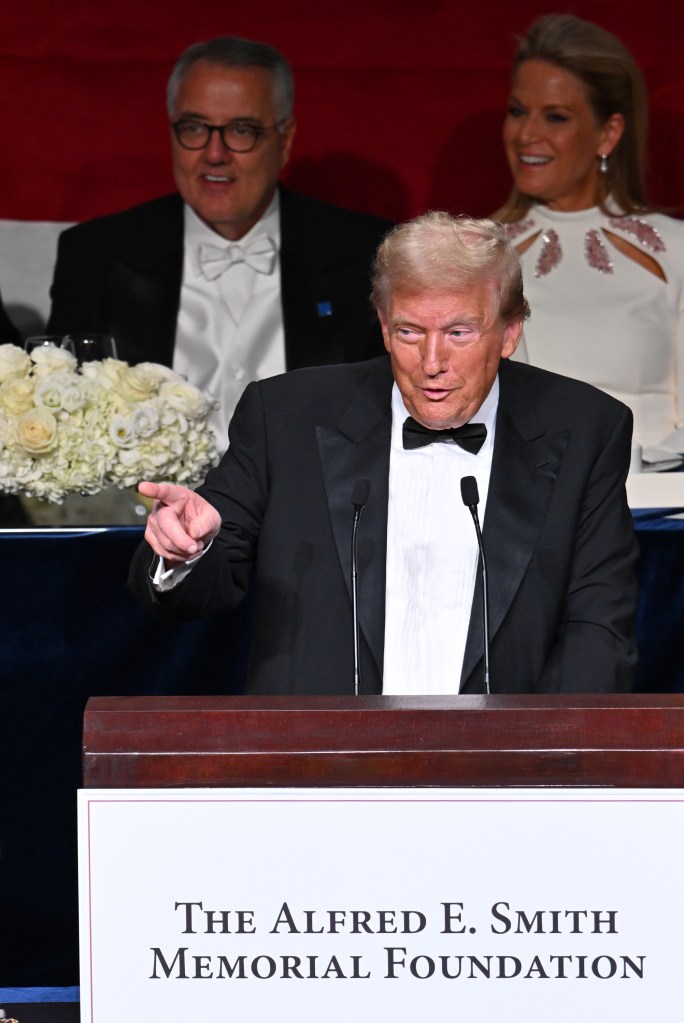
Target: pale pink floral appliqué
[(596, 253), (550, 255), (518, 228), (640, 229)]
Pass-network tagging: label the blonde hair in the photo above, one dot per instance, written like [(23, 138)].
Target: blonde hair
[(613, 84), (437, 252)]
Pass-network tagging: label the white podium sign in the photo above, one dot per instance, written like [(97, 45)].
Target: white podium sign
[(372, 904)]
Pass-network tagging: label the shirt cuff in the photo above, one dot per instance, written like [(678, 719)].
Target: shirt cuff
[(165, 579)]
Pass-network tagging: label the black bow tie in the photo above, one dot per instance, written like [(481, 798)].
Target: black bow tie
[(470, 436)]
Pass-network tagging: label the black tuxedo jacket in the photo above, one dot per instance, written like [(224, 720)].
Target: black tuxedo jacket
[(558, 534), (121, 275)]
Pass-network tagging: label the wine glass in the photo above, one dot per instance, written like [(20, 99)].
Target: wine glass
[(44, 341), (91, 347)]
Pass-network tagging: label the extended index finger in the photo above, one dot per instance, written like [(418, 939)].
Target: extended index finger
[(165, 493)]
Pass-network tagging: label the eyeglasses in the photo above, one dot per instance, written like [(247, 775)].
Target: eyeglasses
[(238, 136)]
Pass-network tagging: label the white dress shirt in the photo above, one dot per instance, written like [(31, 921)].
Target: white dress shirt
[(229, 330), (432, 556)]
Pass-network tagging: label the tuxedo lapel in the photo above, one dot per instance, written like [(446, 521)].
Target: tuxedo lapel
[(325, 260), (310, 316), (359, 449), (147, 268), (525, 467)]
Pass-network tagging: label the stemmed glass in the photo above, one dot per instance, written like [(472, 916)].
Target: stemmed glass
[(45, 341), (90, 347)]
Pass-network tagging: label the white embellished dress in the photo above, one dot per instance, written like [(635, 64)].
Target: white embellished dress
[(602, 317)]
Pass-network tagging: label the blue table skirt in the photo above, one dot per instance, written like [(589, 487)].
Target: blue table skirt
[(72, 631), (28, 995), (660, 613)]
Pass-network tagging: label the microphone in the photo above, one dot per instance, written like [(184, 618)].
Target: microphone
[(359, 499), (471, 499)]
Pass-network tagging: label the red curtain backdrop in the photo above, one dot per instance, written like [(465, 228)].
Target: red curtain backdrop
[(399, 103)]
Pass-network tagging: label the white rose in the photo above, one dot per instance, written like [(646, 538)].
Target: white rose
[(16, 395), (155, 371), (137, 384), (14, 362), (37, 430), (184, 398)]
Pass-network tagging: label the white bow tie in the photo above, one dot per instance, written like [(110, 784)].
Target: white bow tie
[(260, 255)]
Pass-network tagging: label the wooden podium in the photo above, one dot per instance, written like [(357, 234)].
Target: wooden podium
[(151, 742), (495, 824)]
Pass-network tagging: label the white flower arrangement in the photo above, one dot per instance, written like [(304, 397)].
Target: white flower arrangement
[(69, 429)]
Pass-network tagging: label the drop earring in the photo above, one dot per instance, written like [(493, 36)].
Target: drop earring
[(603, 166)]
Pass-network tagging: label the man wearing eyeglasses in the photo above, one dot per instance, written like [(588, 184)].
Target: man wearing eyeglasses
[(233, 279)]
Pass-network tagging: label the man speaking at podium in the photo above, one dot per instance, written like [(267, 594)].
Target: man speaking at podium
[(308, 449)]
